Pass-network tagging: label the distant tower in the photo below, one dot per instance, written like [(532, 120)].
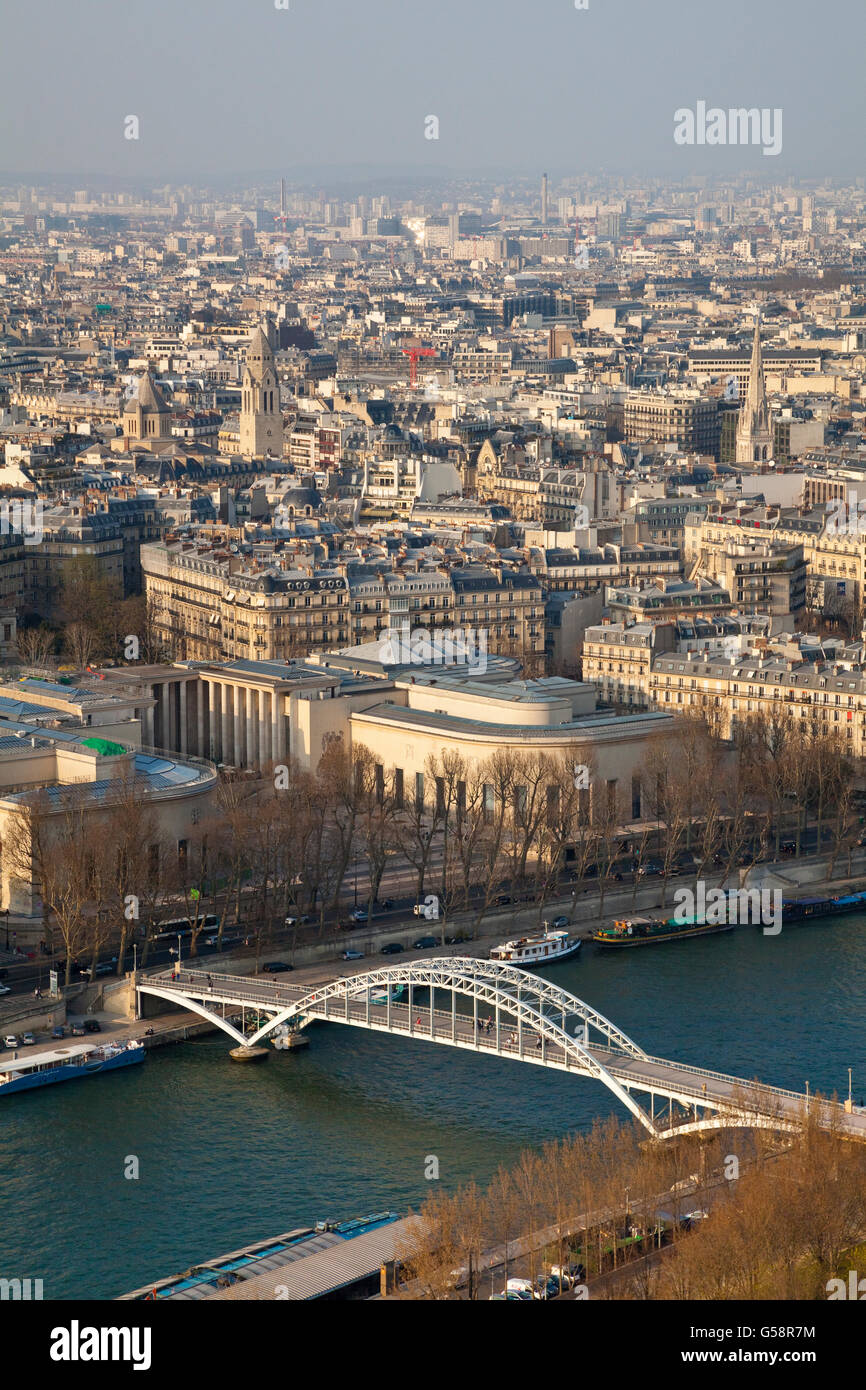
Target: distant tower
[(261, 420), (282, 200), (544, 200), (754, 436)]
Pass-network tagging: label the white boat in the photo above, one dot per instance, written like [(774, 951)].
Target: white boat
[(537, 950)]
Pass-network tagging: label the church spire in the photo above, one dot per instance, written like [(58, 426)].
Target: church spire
[(754, 436)]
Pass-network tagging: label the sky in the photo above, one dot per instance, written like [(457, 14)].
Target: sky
[(227, 88)]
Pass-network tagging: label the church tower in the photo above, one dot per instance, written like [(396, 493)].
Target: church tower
[(754, 435), (261, 428)]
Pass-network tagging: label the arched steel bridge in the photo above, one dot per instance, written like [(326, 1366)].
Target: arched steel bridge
[(513, 1014)]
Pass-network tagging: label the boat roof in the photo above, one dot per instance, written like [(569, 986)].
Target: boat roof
[(38, 1059)]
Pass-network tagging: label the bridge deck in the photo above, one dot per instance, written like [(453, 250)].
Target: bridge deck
[(690, 1086)]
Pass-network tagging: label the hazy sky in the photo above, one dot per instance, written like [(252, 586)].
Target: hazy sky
[(227, 87)]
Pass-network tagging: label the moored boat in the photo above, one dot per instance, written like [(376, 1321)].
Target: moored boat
[(645, 931), (67, 1064), (543, 949), (380, 995)]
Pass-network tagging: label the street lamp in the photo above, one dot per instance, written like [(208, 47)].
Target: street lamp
[(7, 928), (355, 862)]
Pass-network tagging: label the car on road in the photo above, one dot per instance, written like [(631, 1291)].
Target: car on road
[(391, 948), (650, 868), (353, 955), (788, 847), (548, 1287), (27, 1040), (424, 943), (560, 923), (103, 967), (92, 1025), (276, 967), (359, 914), (4, 989), (387, 905), (77, 1030), (10, 1040), (291, 921), (58, 1032)]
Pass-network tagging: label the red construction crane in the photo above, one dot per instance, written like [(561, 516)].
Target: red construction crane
[(413, 354)]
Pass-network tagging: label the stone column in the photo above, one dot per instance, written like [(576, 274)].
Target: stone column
[(237, 753), (277, 725), (265, 730), (201, 751), (182, 697), (251, 727), (214, 730), (226, 745)]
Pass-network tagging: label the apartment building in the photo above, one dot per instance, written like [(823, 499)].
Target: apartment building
[(618, 657), (208, 607), (688, 421), (822, 698)]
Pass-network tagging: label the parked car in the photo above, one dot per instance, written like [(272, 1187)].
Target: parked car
[(4, 989), (503, 899), (10, 1040), (387, 905), (523, 1288), (568, 1274), (560, 923), (58, 1032), (420, 909), (77, 1030), (291, 921), (276, 967), (27, 1040), (391, 948), (548, 1287), (424, 943), (359, 914), (353, 955), (788, 847), (92, 1025)]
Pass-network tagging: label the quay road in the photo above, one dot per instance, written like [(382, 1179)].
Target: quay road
[(495, 1027)]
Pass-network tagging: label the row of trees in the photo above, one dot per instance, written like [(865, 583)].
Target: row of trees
[(286, 842), (91, 621), (781, 1220)]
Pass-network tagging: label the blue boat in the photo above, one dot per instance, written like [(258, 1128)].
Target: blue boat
[(67, 1064)]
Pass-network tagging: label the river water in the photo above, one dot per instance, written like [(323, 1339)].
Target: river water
[(231, 1154)]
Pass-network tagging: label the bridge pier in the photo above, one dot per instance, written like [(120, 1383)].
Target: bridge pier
[(248, 1054)]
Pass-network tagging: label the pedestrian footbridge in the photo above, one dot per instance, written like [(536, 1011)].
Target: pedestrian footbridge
[(492, 1008)]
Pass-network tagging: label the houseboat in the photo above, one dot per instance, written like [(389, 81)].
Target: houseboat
[(538, 950), (67, 1064)]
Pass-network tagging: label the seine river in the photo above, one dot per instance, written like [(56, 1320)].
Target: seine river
[(231, 1154)]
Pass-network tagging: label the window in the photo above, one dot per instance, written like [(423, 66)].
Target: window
[(398, 788)]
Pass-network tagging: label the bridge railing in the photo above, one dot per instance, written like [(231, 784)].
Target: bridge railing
[(732, 1080)]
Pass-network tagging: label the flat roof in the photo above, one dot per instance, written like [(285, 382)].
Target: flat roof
[(37, 1059)]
